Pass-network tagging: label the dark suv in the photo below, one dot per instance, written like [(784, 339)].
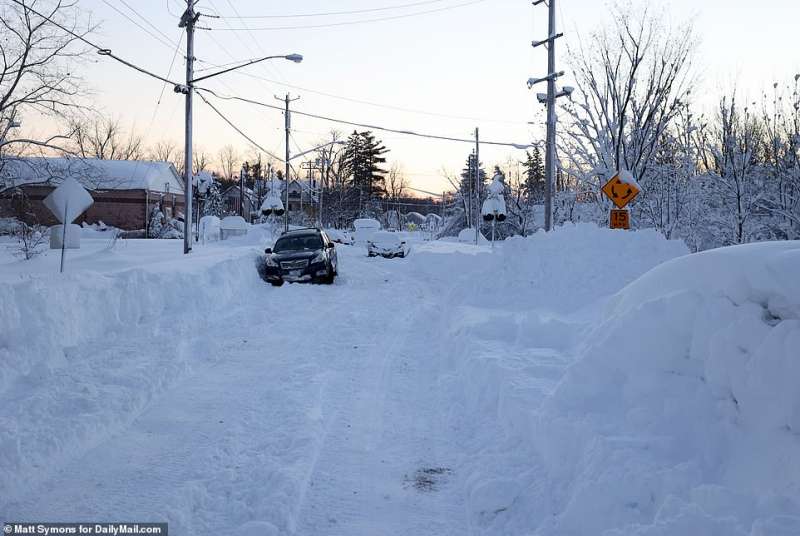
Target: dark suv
[(299, 255)]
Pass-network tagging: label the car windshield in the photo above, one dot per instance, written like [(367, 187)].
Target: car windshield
[(298, 243)]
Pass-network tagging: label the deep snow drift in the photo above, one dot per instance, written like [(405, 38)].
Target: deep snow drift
[(540, 388)]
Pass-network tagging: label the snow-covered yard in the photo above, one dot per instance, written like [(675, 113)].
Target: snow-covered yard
[(543, 388)]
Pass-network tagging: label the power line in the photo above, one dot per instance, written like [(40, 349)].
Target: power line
[(352, 22), (100, 50), (367, 126), (146, 20), (375, 104), (245, 42), (334, 13), (167, 43), (234, 127)]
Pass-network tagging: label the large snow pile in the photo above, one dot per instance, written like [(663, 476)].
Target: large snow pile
[(562, 271), (683, 414), (678, 414), (55, 329)]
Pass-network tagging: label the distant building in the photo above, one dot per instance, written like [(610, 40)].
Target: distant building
[(125, 192), (233, 201)]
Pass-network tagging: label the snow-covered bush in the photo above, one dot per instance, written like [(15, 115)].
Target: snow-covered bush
[(31, 240)]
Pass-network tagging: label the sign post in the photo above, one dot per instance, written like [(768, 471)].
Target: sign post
[(621, 190), (67, 202)]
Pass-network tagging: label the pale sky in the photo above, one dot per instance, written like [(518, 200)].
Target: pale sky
[(469, 63)]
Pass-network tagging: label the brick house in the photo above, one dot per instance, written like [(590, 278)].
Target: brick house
[(125, 192)]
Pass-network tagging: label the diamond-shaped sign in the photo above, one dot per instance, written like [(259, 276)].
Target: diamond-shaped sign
[(70, 199), (620, 192)]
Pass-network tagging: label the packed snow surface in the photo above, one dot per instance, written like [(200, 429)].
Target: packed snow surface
[(581, 382)]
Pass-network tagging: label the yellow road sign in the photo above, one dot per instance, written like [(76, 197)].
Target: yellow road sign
[(620, 219), (619, 192)]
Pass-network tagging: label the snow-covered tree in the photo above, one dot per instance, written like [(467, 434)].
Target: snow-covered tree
[(362, 160), (155, 227), (632, 78), (734, 179)]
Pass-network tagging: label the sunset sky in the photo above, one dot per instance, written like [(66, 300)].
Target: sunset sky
[(443, 73)]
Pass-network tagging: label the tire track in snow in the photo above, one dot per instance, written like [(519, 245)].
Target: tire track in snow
[(387, 426)]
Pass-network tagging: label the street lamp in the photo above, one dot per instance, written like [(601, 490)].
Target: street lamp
[(296, 58), (188, 21)]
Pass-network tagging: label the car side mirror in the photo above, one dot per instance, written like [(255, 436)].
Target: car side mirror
[(268, 251), (331, 245)]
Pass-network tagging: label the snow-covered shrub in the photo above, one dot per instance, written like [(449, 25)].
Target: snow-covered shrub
[(30, 240)]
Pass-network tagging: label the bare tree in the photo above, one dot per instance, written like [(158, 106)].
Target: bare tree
[(165, 151), (230, 160), (519, 200), (36, 70), (631, 79), (732, 150), (200, 160), (396, 182), (105, 139), (781, 124)]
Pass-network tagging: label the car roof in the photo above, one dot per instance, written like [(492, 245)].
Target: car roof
[(301, 232)]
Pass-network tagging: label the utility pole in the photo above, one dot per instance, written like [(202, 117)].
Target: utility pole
[(188, 20), (288, 125), (477, 186), (549, 158), (549, 100)]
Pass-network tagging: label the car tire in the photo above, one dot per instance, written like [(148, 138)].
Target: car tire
[(276, 283), (328, 279), (402, 255)]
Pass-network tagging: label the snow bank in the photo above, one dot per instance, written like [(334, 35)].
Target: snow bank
[(562, 271), (682, 415), (50, 332), (678, 413)]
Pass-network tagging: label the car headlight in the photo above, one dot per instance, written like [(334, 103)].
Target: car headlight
[(319, 258), (269, 261)]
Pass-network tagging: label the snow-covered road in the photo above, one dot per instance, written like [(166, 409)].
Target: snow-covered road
[(543, 388), (306, 409)]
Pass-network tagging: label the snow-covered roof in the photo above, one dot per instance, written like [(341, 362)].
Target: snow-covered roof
[(93, 173)]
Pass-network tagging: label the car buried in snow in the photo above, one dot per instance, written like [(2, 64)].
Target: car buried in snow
[(300, 255), (386, 244)]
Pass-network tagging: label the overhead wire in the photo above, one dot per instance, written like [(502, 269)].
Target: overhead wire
[(247, 45), (167, 43), (146, 20), (365, 125), (335, 13), (100, 50), (237, 129), (353, 22), (379, 105)]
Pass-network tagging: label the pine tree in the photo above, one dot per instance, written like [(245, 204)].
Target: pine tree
[(362, 160), (155, 229), (213, 204), (534, 176), (467, 189)]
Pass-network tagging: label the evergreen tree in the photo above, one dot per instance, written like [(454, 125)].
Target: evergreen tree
[(467, 189), (534, 176), (362, 160), (213, 204), (155, 229)]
